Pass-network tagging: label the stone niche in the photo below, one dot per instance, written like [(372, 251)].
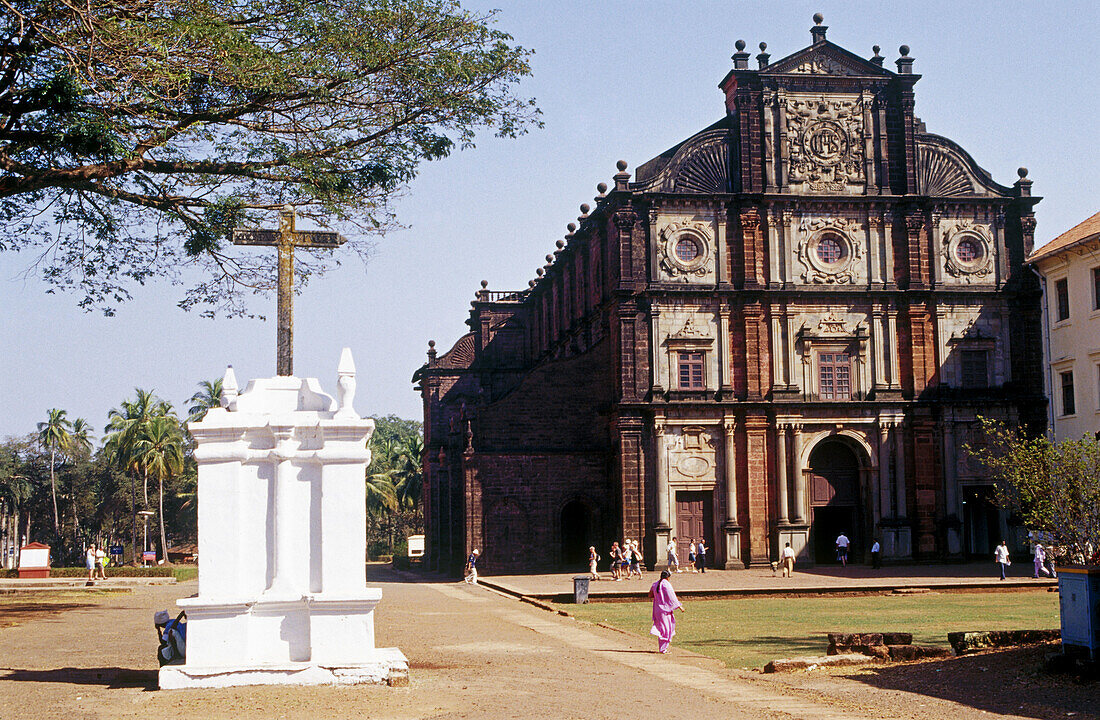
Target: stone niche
[(282, 537)]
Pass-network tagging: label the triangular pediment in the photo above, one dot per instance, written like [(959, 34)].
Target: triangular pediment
[(825, 58)]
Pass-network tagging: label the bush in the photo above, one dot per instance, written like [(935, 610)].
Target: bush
[(123, 571)]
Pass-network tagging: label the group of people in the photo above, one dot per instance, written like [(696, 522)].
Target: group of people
[(697, 556), (626, 561), (95, 560), (1042, 560)]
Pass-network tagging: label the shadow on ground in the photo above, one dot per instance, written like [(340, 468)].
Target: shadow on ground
[(1003, 682), (109, 677)]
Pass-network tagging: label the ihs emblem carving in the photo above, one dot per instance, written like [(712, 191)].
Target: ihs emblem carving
[(825, 143)]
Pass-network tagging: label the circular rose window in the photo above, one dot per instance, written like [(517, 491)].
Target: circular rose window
[(968, 251), (687, 250), (829, 250)]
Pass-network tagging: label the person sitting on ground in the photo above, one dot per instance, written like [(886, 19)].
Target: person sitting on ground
[(788, 561)]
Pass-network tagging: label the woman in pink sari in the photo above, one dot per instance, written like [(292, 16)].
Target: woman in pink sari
[(664, 602)]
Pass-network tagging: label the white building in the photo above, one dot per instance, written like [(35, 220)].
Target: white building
[(1070, 268)]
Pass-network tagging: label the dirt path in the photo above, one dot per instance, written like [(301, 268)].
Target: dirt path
[(473, 654)]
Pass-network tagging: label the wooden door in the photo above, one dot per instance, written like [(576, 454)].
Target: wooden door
[(694, 519)]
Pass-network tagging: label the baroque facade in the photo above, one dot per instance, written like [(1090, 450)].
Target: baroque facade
[(782, 328)]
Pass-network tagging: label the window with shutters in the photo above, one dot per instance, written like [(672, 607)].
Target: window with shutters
[(834, 376)]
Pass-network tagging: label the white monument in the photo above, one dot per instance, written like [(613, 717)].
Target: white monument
[(282, 538)]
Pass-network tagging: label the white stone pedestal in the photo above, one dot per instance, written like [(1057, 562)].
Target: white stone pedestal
[(282, 542)]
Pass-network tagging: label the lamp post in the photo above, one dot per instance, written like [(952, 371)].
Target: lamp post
[(145, 515)]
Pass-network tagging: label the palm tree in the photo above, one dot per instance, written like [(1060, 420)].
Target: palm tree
[(159, 450), (208, 396), (409, 477), (80, 445), (54, 436), (125, 427)]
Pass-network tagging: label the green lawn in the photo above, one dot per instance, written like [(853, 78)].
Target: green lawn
[(751, 631)]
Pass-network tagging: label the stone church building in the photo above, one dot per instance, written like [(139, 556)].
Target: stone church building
[(780, 329)]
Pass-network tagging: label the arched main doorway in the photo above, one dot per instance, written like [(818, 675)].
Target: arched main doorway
[(834, 498), (576, 535)]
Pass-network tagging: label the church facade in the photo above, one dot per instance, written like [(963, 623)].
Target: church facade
[(780, 329)]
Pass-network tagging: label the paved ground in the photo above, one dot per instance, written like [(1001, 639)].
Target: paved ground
[(756, 581), (474, 653)]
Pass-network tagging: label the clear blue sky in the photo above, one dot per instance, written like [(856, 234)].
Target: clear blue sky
[(1013, 83)]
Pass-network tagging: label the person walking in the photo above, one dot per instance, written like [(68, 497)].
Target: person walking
[(664, 603), (788, 560), (1000, 556), (1040, 560), (593, 560), (673, 560), (101, 563), (701, 555), (89, 561), (471, 567), (876, 555), (691, 555), (615, 553), (842, 544)]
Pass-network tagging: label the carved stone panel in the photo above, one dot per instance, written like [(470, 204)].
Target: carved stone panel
[(825, 136), (967, 252), (830, 251), (685, 251)]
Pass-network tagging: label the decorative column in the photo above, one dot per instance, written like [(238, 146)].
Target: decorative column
[(663, 531), (892, 347), (799, 475), (788, 247), (731, 526), (885, 509), (783, 506), (656, 389), (878, 350), (874, 242), (899, 471), (773, 218), (935, 259), (725, 387), (950, 489), (777, 352), (890, 281)]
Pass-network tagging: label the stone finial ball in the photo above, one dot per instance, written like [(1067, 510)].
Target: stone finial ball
[(560, 244), (1022, 172), (601, 188), (484, 284), (540, 272), (621, 165), (740, 45), (549, 258), (875, 49), (530, 283), (585, 208), (571, 227), (818, 18), (904, 50), (763, 46), (431, 344)]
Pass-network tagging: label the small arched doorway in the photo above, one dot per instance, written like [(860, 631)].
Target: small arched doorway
[(576, 535), (834, 498)]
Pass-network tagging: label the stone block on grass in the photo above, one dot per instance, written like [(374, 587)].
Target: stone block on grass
[(968, 642), (809, 663)]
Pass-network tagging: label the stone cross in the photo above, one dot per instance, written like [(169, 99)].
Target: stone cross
[(286, 238)]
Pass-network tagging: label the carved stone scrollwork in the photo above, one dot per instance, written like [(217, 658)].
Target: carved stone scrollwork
[(685, 249), (967, 249), (826, 143), (625, 220), (837, 261), (1027, 224)]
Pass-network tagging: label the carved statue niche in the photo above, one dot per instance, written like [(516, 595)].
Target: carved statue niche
[(826, 144)]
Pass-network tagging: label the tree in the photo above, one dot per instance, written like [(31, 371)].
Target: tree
[(208, 396), (54, 436), (135, 135), (1054, 487), (80, 450), (126, 425), (159, 451)]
